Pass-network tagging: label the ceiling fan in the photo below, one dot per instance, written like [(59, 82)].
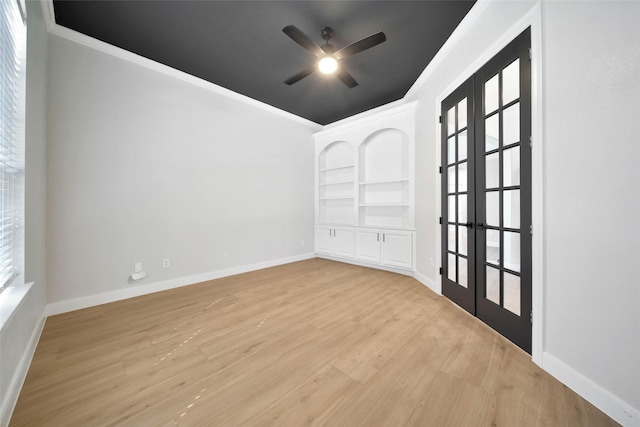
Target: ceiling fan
[(328, 56)]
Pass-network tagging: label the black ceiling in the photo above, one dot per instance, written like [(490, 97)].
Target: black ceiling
[(240, 45)]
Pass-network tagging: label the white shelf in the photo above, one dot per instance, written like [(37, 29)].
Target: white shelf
[(336, 198), (336, 168), (377, 205), (386, 181), (322, 184)]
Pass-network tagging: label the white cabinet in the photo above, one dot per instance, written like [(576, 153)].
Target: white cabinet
[(393, 248), (397, 248), (324, 240), (338, 241), (368, 245)]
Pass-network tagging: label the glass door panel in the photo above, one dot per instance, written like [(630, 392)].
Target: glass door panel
[(502, 190), (459, 244)]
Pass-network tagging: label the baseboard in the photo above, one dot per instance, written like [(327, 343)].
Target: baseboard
[(13, 392), (621, 411), (427, 282), (107, 297)]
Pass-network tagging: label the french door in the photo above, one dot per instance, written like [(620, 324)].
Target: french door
[(486, 193)]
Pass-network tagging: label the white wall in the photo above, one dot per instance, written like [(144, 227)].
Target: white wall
[(592, 191), (19, 335), (142, 166), (590, 175)]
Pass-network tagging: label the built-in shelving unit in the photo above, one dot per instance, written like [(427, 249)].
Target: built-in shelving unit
[(336, 178), (365, 189)]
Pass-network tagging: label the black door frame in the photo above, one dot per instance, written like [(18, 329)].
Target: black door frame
[(516, 328)]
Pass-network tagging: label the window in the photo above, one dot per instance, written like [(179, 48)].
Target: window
[(13, 39)]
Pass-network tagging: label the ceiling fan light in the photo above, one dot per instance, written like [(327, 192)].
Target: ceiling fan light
[(328, 65)]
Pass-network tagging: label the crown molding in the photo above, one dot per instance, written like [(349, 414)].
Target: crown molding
[(467, 22), (48, 12), (365, 114), (82, 39)]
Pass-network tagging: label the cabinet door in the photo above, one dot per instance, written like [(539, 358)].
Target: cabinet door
[(324, 240), (397, 248), (368, 245), (343, 242)]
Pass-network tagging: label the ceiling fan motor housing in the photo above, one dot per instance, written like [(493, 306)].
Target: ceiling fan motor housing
[(326, 33)]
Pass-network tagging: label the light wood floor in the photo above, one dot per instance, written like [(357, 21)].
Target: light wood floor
[(309, 343)]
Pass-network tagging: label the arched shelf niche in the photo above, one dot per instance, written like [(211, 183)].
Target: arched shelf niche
[(385, 187), (336, 184)]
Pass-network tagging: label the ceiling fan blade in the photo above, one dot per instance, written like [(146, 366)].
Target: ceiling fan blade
[(303, 40), (360, 45), (346, 78), (301, 75)]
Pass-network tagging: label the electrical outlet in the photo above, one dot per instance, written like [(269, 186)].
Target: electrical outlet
[(137, 267), (166, 263), (301, 242)]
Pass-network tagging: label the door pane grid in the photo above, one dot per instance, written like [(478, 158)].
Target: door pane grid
[(457, 176), (502, 192), (507, 105)]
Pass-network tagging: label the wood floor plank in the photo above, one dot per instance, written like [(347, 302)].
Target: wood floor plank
[(311, 402), (480, 369), (44, 403), (453, 402), (315, 342), (112, 402), (369, 355), (407, 305), (256, 392), (390, 397), (213, 382)]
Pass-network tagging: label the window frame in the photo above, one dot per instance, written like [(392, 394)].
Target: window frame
[(12, 142)]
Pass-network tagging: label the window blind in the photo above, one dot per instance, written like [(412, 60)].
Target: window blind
[(12, 91)]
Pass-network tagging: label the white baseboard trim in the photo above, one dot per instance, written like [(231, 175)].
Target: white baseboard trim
[(125, 293), (13, 392), (621, 411), (427, 282)]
